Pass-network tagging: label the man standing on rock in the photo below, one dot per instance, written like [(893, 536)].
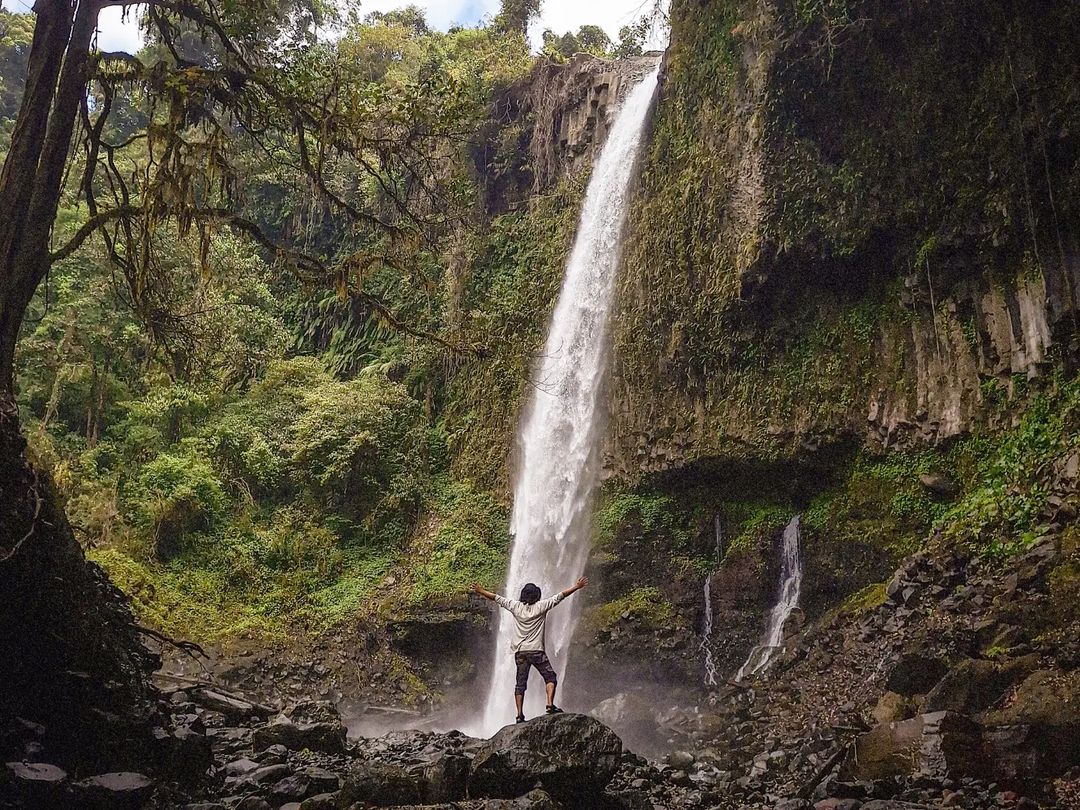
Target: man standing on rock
[(528, 642)]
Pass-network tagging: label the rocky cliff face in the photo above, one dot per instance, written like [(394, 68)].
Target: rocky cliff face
[(551, 126), (857, 222)]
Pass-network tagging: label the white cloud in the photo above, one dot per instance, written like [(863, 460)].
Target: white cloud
[(119, 32)]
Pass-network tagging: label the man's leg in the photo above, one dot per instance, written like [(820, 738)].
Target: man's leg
[(522, 663), (543, 666)]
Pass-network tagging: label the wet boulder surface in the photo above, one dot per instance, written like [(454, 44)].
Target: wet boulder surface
[(572, 756)]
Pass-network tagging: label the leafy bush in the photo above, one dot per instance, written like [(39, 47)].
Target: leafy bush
[(470, 544), (174, 495)]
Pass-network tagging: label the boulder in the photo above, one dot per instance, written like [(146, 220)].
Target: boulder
[(915, 673), (325, 736), (381, 785), (266, 775), (320, 801), (1038, 732), (34, 784), (976, 684), (571, 755), (951, 746), (940, 485), (241, 767), (890, 749), (893, 707), (445, 778), (1045, 698), (291, 789), (113, 791), (185, 752), (322, 780)]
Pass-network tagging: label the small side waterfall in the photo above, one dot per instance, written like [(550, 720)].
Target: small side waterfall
[(706, 631), (706, 635), (560, 430), (791, 571)]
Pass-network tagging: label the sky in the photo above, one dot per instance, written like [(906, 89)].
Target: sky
[(116, 33)]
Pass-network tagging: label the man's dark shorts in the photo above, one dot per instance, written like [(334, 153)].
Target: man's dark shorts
[(532, 658)]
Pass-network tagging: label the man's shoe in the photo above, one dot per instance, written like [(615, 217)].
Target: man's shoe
[(553, 709), (520, 719)]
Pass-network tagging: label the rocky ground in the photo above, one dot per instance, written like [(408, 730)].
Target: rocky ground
[(946, 694), (954, 684)]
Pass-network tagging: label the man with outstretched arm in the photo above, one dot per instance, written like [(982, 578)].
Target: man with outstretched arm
[(528, 643)]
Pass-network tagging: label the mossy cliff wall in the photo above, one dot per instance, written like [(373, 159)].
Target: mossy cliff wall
[(858, 220)]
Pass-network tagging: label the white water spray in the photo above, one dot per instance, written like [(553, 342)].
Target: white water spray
[(761, 657), (559, 460)]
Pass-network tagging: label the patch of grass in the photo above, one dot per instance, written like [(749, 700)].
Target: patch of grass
[(471, 543), (654, 512), (646, 606)]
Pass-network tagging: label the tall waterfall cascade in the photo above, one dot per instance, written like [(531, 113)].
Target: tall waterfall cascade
[(561, 427), (791, 571)]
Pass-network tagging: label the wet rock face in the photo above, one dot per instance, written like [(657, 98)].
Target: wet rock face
[(574, 104), (572, 756), (560, 115)]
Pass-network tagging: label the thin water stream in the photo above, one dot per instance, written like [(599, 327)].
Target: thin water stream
[(791, 570)]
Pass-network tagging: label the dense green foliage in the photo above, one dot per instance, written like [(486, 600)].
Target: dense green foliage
[(243, 450)]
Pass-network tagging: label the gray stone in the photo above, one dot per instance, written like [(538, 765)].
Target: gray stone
[(241, 767), (573, 756), (680, 759), (940, 485), (975, 684), (379, 784), (34, 784), (113, 791), (325, 736), (915, 673), (320, 801), (266, 775), (291, 788)]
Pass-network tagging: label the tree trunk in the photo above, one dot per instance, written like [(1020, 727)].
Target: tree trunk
[(70, 656), (31, 180)]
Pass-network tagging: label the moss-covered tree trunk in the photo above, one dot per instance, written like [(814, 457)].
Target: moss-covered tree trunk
[(70, 656)]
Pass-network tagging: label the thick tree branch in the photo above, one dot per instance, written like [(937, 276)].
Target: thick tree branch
[(89, 227)]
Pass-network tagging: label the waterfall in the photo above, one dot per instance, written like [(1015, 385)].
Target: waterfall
[(706, 632), (561, 427), (706, 635), (761, 656)]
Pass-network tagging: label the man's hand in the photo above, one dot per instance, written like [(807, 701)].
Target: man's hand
[(577, 586), (477, 588)]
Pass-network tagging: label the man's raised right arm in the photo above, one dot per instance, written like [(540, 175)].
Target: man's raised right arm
[(479, 589)]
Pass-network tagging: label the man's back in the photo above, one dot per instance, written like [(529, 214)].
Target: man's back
[(529, 621)]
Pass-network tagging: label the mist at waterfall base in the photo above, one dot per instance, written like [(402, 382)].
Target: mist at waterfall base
[(560, 432)]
